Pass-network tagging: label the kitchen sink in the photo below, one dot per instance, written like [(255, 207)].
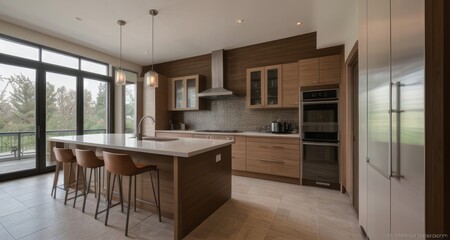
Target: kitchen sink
[(159, 139)]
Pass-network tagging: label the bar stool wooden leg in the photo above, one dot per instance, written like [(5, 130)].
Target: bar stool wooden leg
[(135, 184), (121, 193), (129, 203), (55, 180), (99, 192), (159, 195), (108, 201), (86, 189), (76, 186), (68, 187)]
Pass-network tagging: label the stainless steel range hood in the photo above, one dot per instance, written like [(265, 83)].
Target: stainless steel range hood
[(216, 91)]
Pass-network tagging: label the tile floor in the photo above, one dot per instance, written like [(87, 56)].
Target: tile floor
[(259, 209)]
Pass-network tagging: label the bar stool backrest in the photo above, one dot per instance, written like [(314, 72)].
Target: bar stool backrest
[(64, 155), (87, 159), (120, 164)]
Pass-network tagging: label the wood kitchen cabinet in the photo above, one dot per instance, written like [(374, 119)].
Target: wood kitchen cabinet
[(238, 154), (237, 149), (264, 87), (275, 156), (183, 93), (319, 71), (290, 90)]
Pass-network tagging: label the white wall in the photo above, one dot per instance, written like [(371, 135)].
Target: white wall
[(337, 23), (46, 40)]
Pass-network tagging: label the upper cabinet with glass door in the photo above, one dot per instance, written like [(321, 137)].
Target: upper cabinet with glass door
[(264, 87), (183, 93)]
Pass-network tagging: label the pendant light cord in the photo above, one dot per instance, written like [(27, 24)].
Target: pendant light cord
[(120, 59), (153, 39)]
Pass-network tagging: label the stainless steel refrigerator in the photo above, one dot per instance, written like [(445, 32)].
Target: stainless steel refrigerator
[(391, 100)]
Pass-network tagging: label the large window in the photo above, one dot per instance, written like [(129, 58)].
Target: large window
[(95, 106), (43, 93), (18, 49), (130, 102)]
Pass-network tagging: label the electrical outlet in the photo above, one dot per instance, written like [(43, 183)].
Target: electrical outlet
[(218, 157)]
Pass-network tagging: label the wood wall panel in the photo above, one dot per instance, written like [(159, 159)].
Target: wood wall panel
[(437, 102), (203, 185), (237, 60), (186, 67)]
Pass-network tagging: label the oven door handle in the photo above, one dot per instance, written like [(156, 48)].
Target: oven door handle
[(319, 102), (321, 144)]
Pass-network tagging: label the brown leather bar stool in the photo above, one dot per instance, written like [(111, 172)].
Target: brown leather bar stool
[(123, 165), (62, 155), (86, 159)]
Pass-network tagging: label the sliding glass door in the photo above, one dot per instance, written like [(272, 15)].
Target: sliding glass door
[(60, 107), (18, 119)]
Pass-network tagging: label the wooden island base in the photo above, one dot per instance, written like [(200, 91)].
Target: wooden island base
[(191, 188)]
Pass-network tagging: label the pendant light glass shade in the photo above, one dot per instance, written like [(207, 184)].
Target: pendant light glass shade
[(151, 79), (121, 78)]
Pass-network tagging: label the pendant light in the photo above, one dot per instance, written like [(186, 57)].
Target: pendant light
[(121, 78), (151, 77)]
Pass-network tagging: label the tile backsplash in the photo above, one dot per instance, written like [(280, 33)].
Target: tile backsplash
[(231, 114)]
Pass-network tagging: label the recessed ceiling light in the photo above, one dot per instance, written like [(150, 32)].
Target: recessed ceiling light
[(299, 23), (239, 21), (78, 18)]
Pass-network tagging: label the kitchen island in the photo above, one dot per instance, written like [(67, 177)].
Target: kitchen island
[(195, 174)]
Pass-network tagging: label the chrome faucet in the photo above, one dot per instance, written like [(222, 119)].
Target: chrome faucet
[(139, 135)]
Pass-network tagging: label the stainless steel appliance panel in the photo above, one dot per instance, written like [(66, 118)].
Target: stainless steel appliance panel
[(378, 106), (379, 75), (362, 61), (408, 115), (320, 162)]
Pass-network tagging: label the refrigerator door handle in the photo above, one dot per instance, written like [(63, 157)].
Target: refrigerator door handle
[(396, 173)]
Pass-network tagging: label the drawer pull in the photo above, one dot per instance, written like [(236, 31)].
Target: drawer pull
[(272, 161)]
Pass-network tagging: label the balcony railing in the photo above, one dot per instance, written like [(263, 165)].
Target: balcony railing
[(18, 145)]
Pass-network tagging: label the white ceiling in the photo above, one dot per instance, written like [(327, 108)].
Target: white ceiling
[(183, 28)]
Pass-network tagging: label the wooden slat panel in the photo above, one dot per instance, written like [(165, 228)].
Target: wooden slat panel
[(239, 59), (203, 186)]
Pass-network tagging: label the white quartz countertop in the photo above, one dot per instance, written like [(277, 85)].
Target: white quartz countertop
[(247, 134), (182, 147)]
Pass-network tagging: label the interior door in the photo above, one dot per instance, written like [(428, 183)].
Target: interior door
[(378, 145), (408, 155)]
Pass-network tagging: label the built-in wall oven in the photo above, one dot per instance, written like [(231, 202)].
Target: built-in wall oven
[(319, 115)]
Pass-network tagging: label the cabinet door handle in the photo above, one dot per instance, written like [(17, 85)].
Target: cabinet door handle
[(272, 161)]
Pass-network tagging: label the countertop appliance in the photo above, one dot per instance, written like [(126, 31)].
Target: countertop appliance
[(319, 116), (280, 127)]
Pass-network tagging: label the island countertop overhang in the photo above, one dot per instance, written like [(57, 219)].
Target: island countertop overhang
[(182, 147)]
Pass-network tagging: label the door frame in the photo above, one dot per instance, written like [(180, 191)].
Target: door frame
[(351, 169)]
